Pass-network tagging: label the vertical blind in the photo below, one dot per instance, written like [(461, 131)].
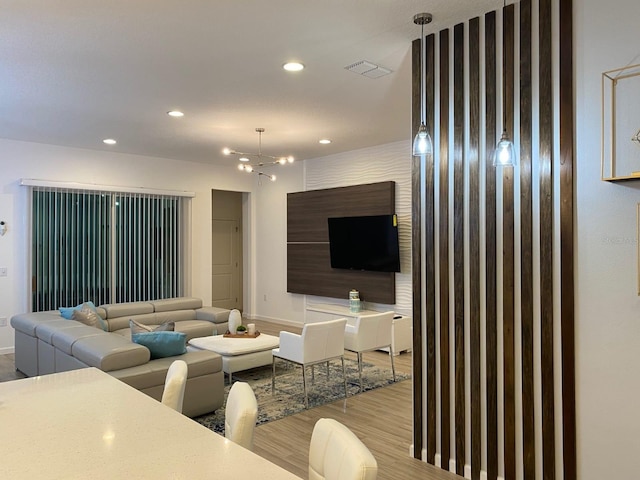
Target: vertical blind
[(104, 247)]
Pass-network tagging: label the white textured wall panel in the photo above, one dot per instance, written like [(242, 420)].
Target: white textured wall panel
[(391, 162)]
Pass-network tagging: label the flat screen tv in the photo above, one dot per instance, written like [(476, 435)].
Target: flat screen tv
[(365, 243)]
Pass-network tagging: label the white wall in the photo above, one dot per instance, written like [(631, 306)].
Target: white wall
[(390, 162), (607, 305), (271, 300), (369, 165), (30, 160)]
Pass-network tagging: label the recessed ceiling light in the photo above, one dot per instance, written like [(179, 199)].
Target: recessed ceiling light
[(109, 141), (175, 113), (324, 141), (293, 66)]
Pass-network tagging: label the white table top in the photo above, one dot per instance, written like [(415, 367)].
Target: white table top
[(339, 310), (230, 346), (86, 424)]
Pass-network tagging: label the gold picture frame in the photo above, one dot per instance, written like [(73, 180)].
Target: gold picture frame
[(619, 122)]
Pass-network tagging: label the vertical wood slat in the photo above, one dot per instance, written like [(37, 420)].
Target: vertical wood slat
[(458, 242), (491, 350), (474, 245), (430, 310), (508, 254), (526, 245), (443, 252), (567, 307), (416, 258), (546, 240)]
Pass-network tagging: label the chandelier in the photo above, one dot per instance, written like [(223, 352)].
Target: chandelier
[(261, 159)]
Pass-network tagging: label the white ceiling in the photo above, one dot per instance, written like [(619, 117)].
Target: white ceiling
[(75, 72)]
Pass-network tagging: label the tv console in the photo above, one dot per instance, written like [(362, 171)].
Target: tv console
[(401, 334)]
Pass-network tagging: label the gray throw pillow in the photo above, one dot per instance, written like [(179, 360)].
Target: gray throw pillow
[(89, 316), (137, 327)]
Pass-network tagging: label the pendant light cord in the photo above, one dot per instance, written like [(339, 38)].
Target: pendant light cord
[(423, 74), (504, 76)]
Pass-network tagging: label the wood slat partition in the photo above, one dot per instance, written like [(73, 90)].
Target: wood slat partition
[(461, 280), (474, 245), (546, 239), (458, 242), (566, 241), (526, 245), (491, 332), (508, 262), (429, 239), (416, 258), (443, 252)]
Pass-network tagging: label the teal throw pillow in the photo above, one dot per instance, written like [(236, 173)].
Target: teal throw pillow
[(163, 343), (67, 312)]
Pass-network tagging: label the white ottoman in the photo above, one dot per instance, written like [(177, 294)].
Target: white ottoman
[(238, 353)]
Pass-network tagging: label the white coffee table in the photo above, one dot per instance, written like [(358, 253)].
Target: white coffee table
[(238, 353)]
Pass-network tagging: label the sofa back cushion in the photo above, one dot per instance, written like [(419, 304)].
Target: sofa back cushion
[(179, 303)]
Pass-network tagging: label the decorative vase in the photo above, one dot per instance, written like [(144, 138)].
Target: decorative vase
[(235, 319), (354, 301)]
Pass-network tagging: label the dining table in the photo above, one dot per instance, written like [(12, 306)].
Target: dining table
[(86, 424)]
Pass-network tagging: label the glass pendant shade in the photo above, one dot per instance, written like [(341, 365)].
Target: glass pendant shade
[(505, 155), (422, 144)]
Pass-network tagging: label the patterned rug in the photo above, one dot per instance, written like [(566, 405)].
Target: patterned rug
[(289, 395)]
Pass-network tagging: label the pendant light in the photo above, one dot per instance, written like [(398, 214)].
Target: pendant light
[(422, 144), (505, 154)]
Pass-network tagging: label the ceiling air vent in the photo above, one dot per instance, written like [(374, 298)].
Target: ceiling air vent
[(368, 69)]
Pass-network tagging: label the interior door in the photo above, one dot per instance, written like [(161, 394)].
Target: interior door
[(226, 254)]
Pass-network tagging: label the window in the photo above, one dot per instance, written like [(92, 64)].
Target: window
[(106, 247)]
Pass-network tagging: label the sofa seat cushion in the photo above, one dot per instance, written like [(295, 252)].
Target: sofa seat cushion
[(109, 352), (45, 330), (27, 323), (64, 339), (154, 372)]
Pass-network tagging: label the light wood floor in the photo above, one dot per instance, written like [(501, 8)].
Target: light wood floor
[(382, 419)]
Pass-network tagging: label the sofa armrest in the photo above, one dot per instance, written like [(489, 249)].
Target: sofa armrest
[(213, 314)]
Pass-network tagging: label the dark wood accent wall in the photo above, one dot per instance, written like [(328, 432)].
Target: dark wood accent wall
[(497, 238), (308, 262)]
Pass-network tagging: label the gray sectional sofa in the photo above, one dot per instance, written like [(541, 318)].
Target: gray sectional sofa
[(47, 343)]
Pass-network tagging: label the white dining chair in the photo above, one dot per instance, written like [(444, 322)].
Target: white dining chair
[(318, 343), (174, 385), (240, 414), (370, 332), (336, 453)]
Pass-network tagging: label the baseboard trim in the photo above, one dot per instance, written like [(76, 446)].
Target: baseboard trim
[(437, 460), (7, 350), (280, 321)]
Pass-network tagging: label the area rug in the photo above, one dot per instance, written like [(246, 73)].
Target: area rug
[(289, 395)]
